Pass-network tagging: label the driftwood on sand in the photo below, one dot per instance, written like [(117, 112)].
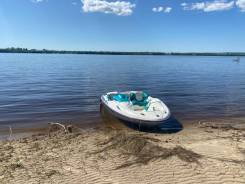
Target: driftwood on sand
[(53, 127)]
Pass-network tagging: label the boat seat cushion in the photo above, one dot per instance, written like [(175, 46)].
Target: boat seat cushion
[(120, 98)]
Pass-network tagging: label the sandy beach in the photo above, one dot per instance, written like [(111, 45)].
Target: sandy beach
[(205, 153)]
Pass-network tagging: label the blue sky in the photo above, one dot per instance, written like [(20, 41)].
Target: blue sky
[(124, 25)]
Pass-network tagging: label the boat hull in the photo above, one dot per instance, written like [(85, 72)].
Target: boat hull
[(133, 121), (169, 125)]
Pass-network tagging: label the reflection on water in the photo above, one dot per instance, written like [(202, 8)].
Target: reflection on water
[(36, 89)]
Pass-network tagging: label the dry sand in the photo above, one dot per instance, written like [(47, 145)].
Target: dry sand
[(205, 154)]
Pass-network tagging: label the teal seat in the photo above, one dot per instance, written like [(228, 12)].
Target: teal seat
[(120, 98)]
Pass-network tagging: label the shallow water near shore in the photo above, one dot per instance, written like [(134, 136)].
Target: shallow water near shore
[(39, 88)]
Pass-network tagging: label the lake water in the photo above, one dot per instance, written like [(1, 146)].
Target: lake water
[(36, 89)]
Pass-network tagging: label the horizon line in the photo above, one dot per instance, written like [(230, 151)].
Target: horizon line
[(50, 51)]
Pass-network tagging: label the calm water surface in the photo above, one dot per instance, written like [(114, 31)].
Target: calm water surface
[(36, 89)]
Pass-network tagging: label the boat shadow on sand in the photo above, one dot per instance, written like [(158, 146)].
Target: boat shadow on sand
[(172, 125)]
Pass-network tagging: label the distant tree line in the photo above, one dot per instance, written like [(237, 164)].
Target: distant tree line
[(45, 51)]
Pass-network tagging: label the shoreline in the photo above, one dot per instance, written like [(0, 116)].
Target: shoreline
[(12, 132), (120, 53), (206, 153), (32, 128)]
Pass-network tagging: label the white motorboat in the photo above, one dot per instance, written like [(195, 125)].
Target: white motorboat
[(136, 107)]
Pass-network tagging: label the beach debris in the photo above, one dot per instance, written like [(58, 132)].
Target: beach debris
[(17, 165), (223, 126), (54, 127), (7, 168), (10, 132), (51, 172), (143, 149), (237, 129)]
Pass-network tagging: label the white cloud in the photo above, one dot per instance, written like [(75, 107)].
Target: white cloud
[(168, 10), (121, 8), (162, 9), (241, 4), (157, 9), (198, 6), (154, 9), (217, 5), (183, 4), (37, 1)]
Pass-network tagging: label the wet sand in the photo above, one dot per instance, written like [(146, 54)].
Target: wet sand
[(207, 153)]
